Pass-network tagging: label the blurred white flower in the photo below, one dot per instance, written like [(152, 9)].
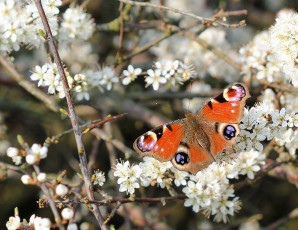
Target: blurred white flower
[(76, 25), (26, 179), (42, 177), (39, 223), (13, 223), (12, 152), (108, 77), (72, 227)]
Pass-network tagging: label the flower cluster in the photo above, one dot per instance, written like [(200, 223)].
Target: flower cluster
[(128, 176), (167, 71), (209, 190), (37, 153), (47, 75), (283, 41), (35, 222), (76, 26), (22, 24), (272, 54), (258, 60), (262, 122)]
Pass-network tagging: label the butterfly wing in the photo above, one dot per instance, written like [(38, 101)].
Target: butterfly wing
[(227, 107), (161, 142)]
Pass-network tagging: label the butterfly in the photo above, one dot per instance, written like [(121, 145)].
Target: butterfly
[(192, 143)]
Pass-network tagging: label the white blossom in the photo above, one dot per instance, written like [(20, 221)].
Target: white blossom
[(39, 223), (154, 79), (12, 152), (13, 223), (130, 74), (99, 178)]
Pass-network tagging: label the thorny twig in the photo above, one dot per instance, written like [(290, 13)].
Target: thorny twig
[(102, 122), (72, 116)]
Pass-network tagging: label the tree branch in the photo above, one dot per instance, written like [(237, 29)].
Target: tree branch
[(72, 115)]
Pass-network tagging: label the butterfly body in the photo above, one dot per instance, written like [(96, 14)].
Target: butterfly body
[(192, 143)]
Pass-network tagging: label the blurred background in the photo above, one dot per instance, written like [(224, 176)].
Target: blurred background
[(264, 202)]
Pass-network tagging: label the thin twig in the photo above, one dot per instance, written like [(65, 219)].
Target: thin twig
[(168, 32), (283, 220), (211, 48), (125, 200), (281, 87), (102, 122), (212, 21), (72, 115), (13, 168), (121, 32)]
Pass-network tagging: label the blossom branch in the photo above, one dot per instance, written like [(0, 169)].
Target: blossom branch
[(72, 115), (211, 21)]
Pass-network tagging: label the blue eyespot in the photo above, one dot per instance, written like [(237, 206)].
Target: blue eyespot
[(181, 158), (229, 132)]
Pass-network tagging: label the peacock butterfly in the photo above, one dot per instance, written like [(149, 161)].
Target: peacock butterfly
[(192, 143)]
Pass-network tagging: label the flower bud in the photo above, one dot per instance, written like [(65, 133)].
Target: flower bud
[(31, 159), (61, 190), (12, 152), (26, 179), (42, 177), (43, 152), (67, 213)]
